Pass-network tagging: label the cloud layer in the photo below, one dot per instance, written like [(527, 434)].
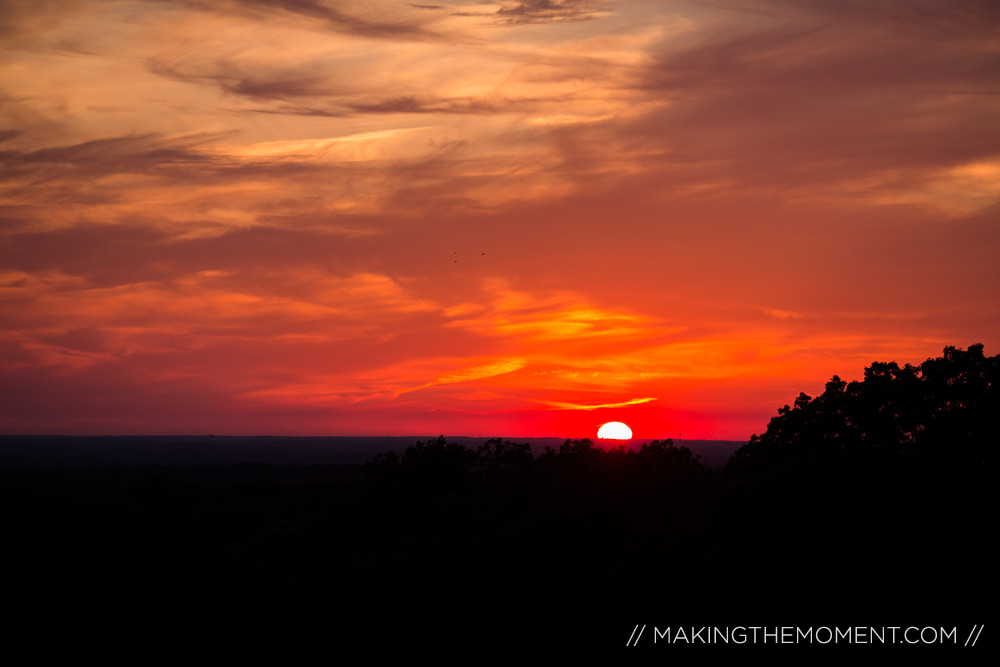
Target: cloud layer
[(511, 218)]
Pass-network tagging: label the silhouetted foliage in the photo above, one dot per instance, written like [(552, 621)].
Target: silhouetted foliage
[(946, 406), (504, 456), (662, 457), (440, 460), (437, 459)]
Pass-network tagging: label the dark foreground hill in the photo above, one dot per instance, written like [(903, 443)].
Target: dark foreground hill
[(880, 517)]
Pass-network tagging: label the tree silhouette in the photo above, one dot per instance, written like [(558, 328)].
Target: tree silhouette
[(498, 455), (909, 412)]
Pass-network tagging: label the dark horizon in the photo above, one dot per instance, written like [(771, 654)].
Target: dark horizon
[(59, 450)]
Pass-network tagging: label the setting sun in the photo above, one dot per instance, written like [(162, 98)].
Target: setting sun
[(614, 431)]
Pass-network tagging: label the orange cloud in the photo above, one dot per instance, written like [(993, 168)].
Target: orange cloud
[(573, 406)]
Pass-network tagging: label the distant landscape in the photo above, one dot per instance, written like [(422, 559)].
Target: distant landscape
[(75, 451)]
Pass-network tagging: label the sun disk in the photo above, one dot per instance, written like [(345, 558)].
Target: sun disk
[(614, 431)]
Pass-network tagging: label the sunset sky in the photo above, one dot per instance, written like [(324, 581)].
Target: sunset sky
[(325, 217)]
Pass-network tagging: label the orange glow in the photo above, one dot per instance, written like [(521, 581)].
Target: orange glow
[(276, 217)]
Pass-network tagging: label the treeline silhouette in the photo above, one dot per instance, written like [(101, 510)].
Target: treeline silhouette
[(866, 505), (944, 411)]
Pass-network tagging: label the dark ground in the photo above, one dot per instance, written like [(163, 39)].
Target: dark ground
[(567, 551)]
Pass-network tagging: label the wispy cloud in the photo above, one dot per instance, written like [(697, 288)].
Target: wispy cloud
[(474, 373), (357, 20), (263, 83), (550, 11), (557, 405)]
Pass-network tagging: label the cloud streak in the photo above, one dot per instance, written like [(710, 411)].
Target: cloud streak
[(326, 14), (549, 11), (573, 406)]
